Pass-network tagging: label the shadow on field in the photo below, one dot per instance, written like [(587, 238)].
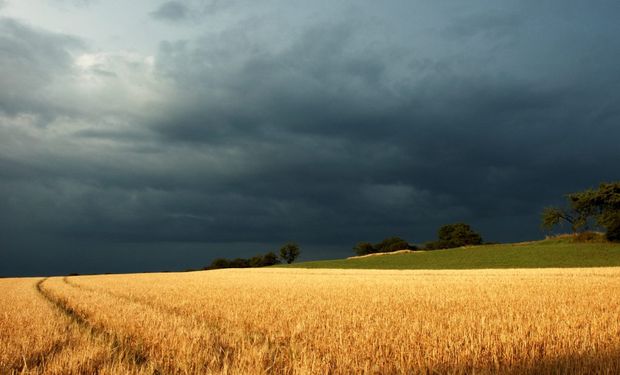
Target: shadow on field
[(588, 363)]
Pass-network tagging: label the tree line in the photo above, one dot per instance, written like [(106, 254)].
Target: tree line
[(448, 236), (592, 208), (589, 209), (288, 253)]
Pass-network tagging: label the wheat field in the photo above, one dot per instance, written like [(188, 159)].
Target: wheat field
[(299, 321)]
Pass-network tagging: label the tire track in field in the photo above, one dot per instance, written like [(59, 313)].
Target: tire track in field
[(279, 344), (223, 349), (122, 352), (167, 309), (37, 359)]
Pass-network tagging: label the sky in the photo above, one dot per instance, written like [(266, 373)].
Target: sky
[(159, 135)]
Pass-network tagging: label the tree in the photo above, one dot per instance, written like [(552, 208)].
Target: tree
[(387, 245), (580, 209), (458, 234), (239, 263), (219, 263), (600, 206), (270, 259), (256, 261), (607, 205), (364, 248), (391, 244), (552, 216), (289, 252)]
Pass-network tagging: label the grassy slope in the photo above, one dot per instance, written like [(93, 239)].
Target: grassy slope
[(542, 254)]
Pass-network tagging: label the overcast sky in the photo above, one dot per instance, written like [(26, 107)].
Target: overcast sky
[(154, 135)]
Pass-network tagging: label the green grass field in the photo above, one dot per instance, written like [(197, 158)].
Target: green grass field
[(541, 254)]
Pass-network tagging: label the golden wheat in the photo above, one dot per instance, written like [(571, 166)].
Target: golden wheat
[(296, 321), (37, 338)]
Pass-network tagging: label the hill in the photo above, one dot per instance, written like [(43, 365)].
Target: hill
[(552, 253)]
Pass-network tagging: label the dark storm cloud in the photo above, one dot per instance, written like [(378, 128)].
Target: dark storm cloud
[(172, 11), (333, 134), (31, 59), (472, 139), (487, 25)]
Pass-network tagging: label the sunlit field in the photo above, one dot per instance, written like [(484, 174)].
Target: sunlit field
[(304, 321)]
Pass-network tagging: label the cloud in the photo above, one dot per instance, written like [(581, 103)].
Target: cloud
[(79, 3), (30, 61), (488, 25), (171, 11), (457, 135)]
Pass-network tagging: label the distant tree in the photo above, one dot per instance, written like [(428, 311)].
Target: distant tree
[(606, 204), (364, 248), (580, 209), (552, 216), (289, 252), (256, 261), (391, 244), (458, 234), (219, 263), (239, 263), (270, 259), (600, 206)]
